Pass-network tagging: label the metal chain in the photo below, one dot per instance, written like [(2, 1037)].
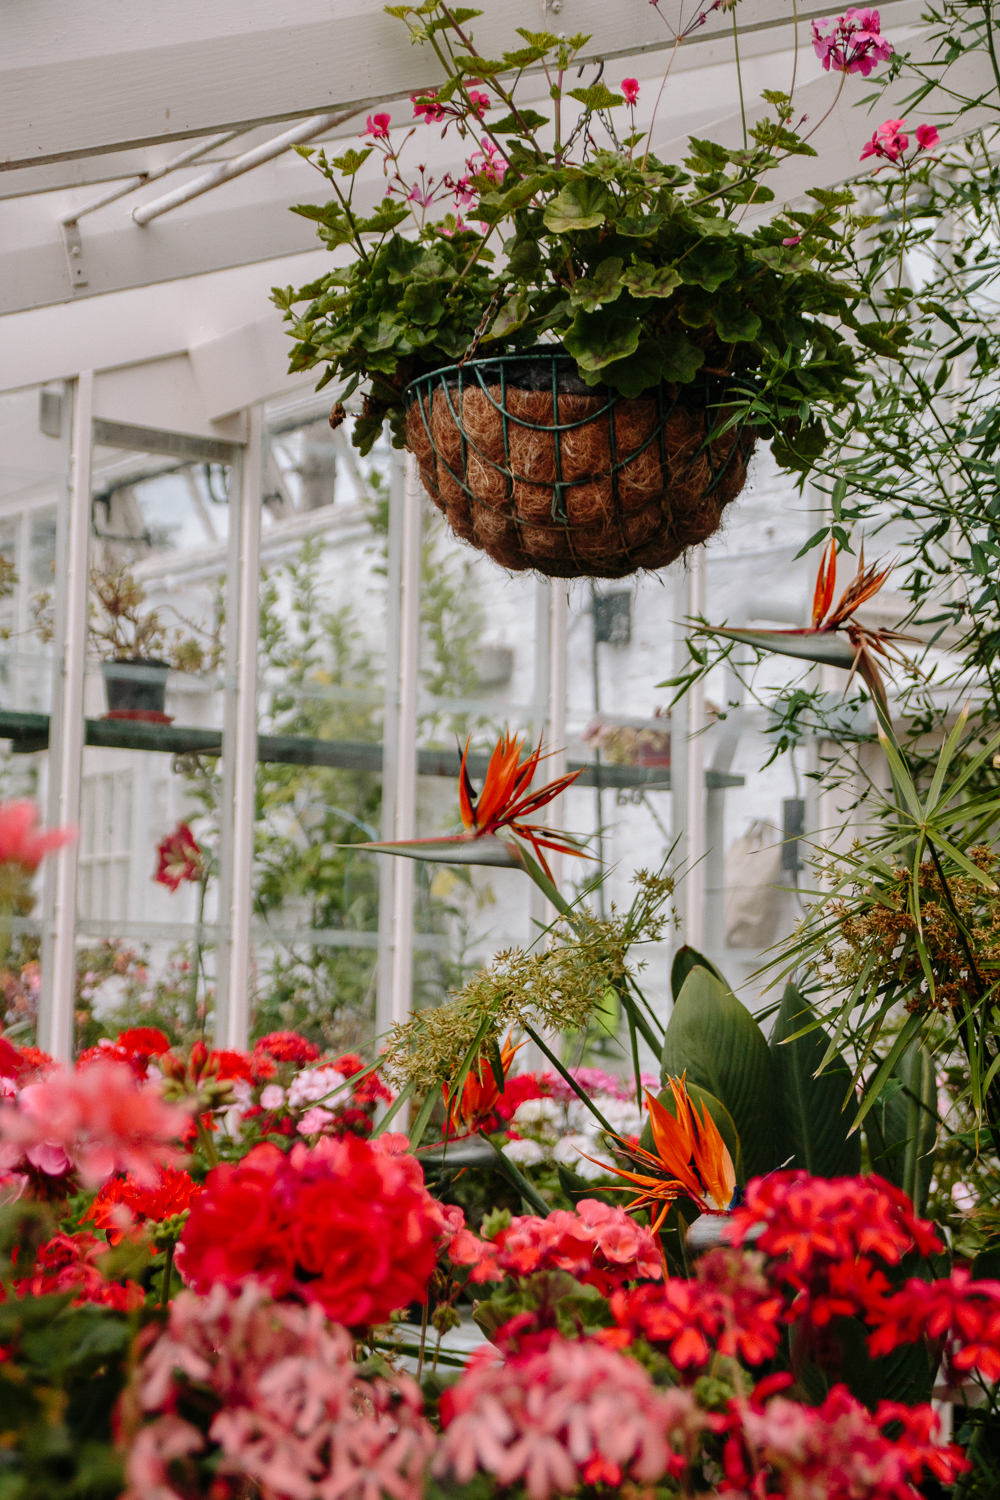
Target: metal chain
[(470, 353)]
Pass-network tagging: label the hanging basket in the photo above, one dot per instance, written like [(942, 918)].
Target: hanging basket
[(542, 471)]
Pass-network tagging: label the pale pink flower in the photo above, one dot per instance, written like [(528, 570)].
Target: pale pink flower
[(315, 1120), (98, 1120), (272, 1097), (296, 1417), (855, 45), (570, 1413)]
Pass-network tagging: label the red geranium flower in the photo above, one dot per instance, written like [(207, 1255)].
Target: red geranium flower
[(66, 1264), (348, 1225), (171, 1195), (288, 1046), (180, 858), (134, 1047)]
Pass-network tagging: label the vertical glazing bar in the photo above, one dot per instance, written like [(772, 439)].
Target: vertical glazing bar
[(406, 766), (55, 1022), (694, 754), (558, 625), (244, 757), (230, 712), (52, 760), (390, 742)]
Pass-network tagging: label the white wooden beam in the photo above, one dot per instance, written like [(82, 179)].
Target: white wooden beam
[(79, 80)]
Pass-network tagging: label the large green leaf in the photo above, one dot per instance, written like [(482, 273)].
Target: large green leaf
[(901, 1127), (811, 1124), (720, 1114), (457, 849), (806, 645), (686, 959), (715, 1039), (581, 204)]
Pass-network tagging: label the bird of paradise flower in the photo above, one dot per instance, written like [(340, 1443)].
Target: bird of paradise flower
[(690, 1160), (822, 641), (506, 803), (470, 1108)]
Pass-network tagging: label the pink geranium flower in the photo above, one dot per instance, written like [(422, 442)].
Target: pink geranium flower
[(890, 141), (927, 137), (22, 842), (854, 45), (98, 1120), (377, 126), (630, 88)]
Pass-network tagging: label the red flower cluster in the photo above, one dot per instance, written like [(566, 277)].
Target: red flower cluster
[(122, 1199), (66, 1264), (348, 1225), (598, 1244), (730, 1307), (136, 1047), (961, 1313), (517, 1089), (368, 1090), (288, 1046), (180, 858)]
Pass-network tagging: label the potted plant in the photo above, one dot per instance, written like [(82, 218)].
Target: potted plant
[(583, 350), (137, 648)]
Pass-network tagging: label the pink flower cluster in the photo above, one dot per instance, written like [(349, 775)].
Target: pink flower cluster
[(839, 1450), (295, 1418), (98, 1120), (854, 45), (598, 1244), (555, 1416), (890, 142)]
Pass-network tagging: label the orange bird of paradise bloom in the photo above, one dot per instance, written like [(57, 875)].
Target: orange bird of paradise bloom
[(473, 1107), (506, 802), (691, 1160)]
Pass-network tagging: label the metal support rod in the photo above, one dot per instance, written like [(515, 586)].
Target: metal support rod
[(55, 1025), (227, 170), (245, 754), (558, 628), (153, 175), (406, 765), (390, 743), (694, 754)]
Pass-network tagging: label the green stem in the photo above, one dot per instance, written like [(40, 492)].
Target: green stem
[(423, 1340), (168, 1267), (206, 1143), (570, 1080), (196, 966)]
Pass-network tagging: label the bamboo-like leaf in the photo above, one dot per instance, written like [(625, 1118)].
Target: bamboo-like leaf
[(944, 760), (458, 849), (823, 646), (964, 863), (901, 774), (971, 767), (393, 1110), (492, 1050), (423, 1115), (909, 1030)]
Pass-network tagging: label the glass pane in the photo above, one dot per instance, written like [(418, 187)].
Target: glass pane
[(148, 932)]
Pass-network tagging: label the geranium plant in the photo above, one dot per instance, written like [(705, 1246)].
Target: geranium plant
[(567, 227)]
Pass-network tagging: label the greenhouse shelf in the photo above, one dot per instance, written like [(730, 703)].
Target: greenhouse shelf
[(30, 732)]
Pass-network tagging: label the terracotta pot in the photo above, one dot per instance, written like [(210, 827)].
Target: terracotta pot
[(136, 688), (541, 471)]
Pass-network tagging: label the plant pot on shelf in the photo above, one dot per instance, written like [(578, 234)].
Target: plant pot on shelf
[(542, 471), (136, 688)]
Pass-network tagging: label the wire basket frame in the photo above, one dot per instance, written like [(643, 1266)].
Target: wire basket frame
[(542, 471)]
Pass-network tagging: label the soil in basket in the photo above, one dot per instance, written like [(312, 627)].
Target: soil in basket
[(580, 511)]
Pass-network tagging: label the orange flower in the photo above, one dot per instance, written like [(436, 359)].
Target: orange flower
[(862, 587), (474, 1106), (691, 1160), (505, 800)]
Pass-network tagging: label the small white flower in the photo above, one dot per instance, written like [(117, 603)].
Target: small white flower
[(524, 1153), (536, 1112), (273, 1097), (567, 1151)]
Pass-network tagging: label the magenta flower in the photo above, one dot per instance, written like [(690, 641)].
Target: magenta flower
[(480, 102), (377, 126), (927, 137), (423, 196), (855, 44), (630, 88), (793, 239), (890, 141), (426, 108)]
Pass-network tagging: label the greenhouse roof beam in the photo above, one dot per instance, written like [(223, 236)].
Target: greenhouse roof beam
[(77, 82)]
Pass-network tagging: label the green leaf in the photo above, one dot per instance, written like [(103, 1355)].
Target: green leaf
[(580, 204), (734, 322), (456, 850), (709, 264), (828, 647), (686, 959), (720, 1114), (492, 1050), (384, 219), (598, 96), (810, 1122), (715, 1039), (590, 292), (352, 160), (644, 280), (680, 360), (906, 1120), (523, 123), (597, 339)]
